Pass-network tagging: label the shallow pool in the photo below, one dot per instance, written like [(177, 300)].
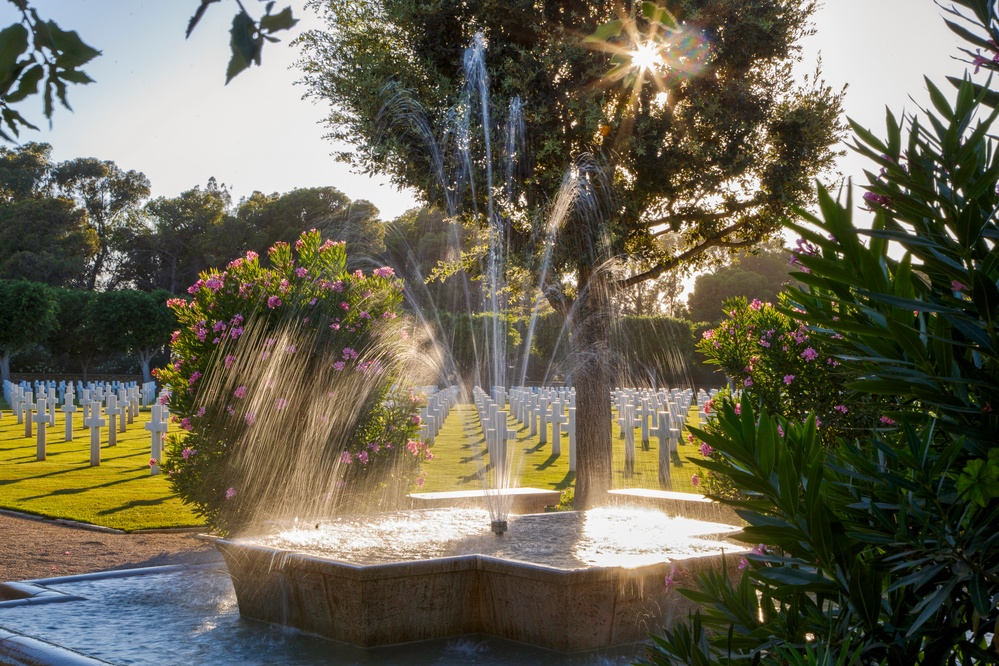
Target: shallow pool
[(190, 617)]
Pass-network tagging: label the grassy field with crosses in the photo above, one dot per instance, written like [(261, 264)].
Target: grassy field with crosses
[(121, 493)]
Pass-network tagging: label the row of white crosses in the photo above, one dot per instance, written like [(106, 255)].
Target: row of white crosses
[(120, 403), (661, 414), (497, 432), (541, 407), (439, 405)]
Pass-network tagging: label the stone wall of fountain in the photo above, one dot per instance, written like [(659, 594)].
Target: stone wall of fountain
[(569, 606)]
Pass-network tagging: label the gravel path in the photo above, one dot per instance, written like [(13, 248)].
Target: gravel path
[(32, 548)]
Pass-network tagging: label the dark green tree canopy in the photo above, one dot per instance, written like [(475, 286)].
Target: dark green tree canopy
[(717, 154), (753, 276), (111, 196), (28, 311), (43, 238)]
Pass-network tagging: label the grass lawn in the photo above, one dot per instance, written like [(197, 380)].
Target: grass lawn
[(121, 493)]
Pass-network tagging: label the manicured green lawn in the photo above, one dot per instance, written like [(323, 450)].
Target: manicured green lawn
[(121, 493)]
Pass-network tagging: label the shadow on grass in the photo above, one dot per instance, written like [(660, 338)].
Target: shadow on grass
[(75, 491), (477, 477), (547, 463), (132, 505), (566, 482), (475, 456), (5, 482)]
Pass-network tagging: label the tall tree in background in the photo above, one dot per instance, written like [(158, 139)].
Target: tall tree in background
[(698, 128), (28, 311), (43, 238), (267, 219), (111, 197), (761, 276), (136, 323), (181, 236)]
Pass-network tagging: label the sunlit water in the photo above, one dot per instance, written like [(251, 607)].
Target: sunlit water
[(191, 618), (599, 537)]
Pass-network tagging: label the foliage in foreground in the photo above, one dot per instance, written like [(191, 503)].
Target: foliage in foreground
[(881, 549), (282, 377)]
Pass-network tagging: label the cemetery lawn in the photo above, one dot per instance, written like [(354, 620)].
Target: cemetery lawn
[(120, 493), (460, 459)]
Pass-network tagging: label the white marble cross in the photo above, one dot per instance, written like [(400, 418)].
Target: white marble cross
[(113, 411), (41, 417), (67, 409), (27, 404), (95, 423), (124, 413), (156, 427), (628, 422), (557, 419)]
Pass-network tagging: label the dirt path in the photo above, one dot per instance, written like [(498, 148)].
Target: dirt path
[(32, 548)]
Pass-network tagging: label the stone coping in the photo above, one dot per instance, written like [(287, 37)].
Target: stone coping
[(521, 500), (567, 610), (20, 650), (691, 505)]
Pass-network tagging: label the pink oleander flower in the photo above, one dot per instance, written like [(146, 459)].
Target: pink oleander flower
[(235, 332), (339, 365), (363, 457), (404, 335), (780, 431), (349, 354), (709, 405), (695, 480), (428, 455), (788, 379), (346, 458), (174, 336), (706, 450), (756, 304), (290, 349), (187, 452), (690, 438), (365, 315), (344, 305), (273, 302), (670, 582), (743, 563), (201, 411), (250, 418), (809, 354), (153, 462), (831, 361), (875, 200), (747, 382), (384, 271), (185, 423), (251, 256), (301, 272), (415, 419), (195, 376), (759, 549), (229, 360), (420, 481), (230, 493), (230, 410), (280, 403), (240, 392), (738, 409), (359, 274), (958, 286), (165, 399), (842, 409), (887, 421)]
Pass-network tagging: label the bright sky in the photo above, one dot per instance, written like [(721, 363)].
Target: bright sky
[(159, 105)]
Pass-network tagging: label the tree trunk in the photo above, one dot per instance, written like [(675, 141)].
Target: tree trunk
[(145, 356), (4, 368), (590, 326)]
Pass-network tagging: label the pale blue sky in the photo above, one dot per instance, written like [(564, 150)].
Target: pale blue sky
[(160, 106)]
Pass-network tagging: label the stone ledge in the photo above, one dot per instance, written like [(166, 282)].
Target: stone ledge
[(520, 500), (690, 505)]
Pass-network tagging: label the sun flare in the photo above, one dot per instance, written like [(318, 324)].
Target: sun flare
[(646, 56)]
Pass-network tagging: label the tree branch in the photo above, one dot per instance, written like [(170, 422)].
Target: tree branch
[(718, 240)]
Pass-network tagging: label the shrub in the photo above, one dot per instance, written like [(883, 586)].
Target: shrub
[(282, 379), (881, 549)]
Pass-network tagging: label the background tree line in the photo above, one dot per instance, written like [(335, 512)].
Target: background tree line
[(87, 229)]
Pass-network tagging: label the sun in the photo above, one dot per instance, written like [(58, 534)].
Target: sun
[(646, 57)]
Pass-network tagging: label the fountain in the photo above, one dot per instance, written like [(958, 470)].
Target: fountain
[(564, 581)]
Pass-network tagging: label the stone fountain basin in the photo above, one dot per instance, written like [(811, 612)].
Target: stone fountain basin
[(569, 607)]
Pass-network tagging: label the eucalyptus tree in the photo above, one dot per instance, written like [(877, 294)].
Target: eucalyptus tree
[(699, 128)]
